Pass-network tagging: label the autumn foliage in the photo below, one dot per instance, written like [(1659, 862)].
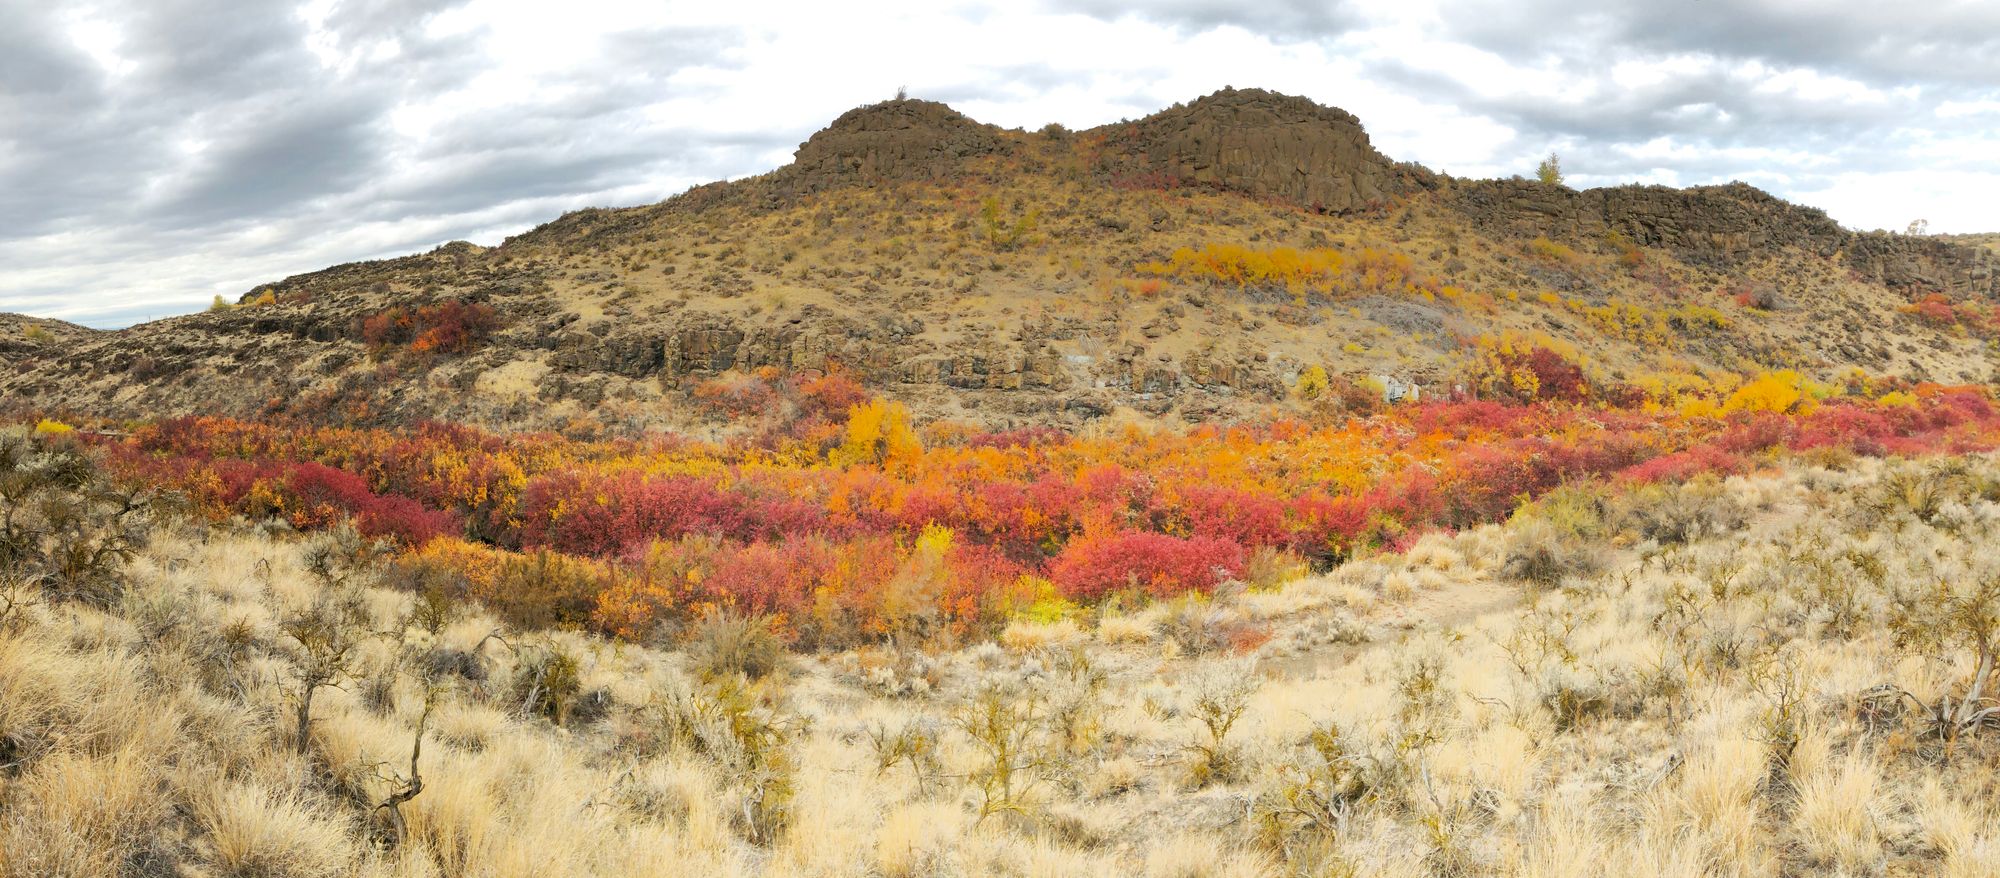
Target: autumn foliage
[(1324, 272), (865, 527), (449, 327)]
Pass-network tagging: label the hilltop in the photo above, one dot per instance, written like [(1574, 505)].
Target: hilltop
[(1189, 266)]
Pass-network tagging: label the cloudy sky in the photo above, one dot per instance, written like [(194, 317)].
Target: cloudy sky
[(155, 153)]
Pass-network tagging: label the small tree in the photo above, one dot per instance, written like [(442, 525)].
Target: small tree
[(409, 785), (327, 634), (219, 304), (1550, 171), (1005, 725)]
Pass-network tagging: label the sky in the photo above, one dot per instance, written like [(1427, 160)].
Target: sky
[(157, 153)]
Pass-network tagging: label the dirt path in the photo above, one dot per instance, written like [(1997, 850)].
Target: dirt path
[(1451, 606)]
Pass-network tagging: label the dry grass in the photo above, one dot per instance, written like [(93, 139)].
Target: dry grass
[(1712, 709)]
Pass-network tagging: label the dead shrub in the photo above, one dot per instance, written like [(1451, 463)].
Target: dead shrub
[(726, 644)]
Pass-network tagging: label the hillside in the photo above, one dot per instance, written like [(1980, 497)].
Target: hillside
[(1188, 266)]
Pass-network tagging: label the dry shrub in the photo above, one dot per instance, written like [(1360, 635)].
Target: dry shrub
[(261, 833), (1268, 567), (727, 644), (1673, 515), (916, 839), (1118, 629), (1027, 636), (548, 682), (1545, 556), (1004, 722), (1219, 694), (1835, 816), (747, 729), (1199, 625)]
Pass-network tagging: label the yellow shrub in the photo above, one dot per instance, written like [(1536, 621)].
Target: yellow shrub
[(1780, 391), (1313, 383), (53, 428), (877, 431), (1699, 407), (1543, 248)]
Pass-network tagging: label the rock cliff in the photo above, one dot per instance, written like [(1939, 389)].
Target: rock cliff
[(1725, 226), (1259, 143), (902, 139)]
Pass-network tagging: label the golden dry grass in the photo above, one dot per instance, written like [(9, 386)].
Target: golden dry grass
[(1703, 709)]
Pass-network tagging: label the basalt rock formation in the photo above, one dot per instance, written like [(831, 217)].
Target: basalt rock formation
[(894, 140), (1727, 225), (1259, 143)]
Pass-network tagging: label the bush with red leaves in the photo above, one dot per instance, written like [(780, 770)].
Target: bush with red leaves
[(1157, 564), (449, 327)]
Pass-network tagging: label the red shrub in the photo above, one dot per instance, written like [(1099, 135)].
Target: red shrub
[(1325, 528), (1561, 380), (770, 578), (829, 397), (1933, 308), (1247, 518), (607, 516), (450, 327), (735, 395), (1756, 431), (1684, 465), (453, 327), (1160, 565), (1020, 437)]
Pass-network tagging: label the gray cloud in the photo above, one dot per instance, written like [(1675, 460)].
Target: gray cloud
[(1283, 20), (248, 131), (277, 159), (1862, 39), (1913, 59), (221, 144)]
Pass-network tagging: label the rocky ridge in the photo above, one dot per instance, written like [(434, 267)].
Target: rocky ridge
[(592, 324)]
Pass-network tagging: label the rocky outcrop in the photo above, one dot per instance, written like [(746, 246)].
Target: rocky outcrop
[(1922, 264), (1725, 225), (893, 140), (23, 337), (1257, 142), (1708, 223)]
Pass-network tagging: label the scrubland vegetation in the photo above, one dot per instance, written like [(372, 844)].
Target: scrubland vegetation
[(1787, 671), (1453, 638), (842, 524), (1652, 579)]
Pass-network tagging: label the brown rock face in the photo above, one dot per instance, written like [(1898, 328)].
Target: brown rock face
[(896, 140), (1258, 142), (1925, 264), (1724, 225), (1716, 222)]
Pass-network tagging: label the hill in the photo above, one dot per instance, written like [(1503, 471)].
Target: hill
[(1189, 266)]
